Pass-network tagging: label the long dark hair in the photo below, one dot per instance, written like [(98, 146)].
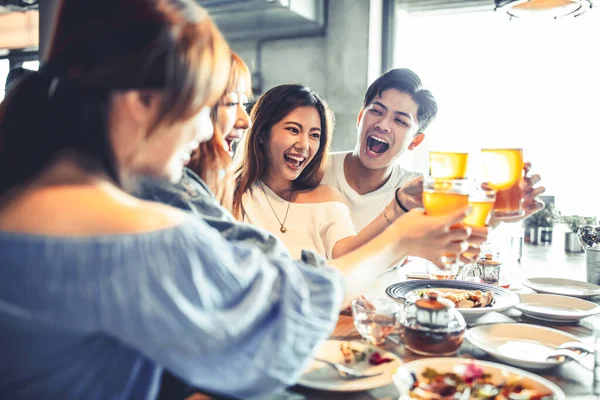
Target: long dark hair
[(99, 48), (270, 109)]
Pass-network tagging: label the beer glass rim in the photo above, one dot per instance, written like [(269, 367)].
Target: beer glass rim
[(502, 149), (478, 193), (458, 181), (447, 152)]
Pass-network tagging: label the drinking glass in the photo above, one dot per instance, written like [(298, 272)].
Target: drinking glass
[(447, 165), (442, 197), (596, 381), (504, 172), (485, 271), (376, 321), (481, 202), (435, 272)]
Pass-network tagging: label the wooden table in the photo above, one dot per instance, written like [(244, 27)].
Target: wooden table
[(551, 261)]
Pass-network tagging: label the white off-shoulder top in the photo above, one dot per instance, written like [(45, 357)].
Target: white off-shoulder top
[(308, 226)]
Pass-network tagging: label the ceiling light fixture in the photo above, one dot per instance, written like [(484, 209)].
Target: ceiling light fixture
[(543, 8)]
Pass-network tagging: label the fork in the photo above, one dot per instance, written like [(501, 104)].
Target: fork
[(346, 373)]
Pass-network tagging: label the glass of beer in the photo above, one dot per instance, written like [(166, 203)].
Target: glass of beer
[(447, 165), (504, 172), (442, 197), (482, 203)]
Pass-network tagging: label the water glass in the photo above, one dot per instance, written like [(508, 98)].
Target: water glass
[(375, 322), (435, 272), (596, 382)]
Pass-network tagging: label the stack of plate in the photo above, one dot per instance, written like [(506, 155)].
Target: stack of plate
[(554, 308), (522, 345)]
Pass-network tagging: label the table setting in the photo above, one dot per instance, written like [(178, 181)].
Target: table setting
[(556, 354), (490, 329)]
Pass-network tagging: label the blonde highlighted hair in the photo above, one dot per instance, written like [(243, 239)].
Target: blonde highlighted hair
[(210, 161)]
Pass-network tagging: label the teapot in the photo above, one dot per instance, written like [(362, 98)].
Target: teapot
[(484, 270), (431, 325)]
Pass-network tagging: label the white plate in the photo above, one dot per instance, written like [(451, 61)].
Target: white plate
[(402, 377), (565, 287), (554, 308), (323, 377), (521, 345)]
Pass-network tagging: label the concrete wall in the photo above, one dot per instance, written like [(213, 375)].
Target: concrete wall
[(47, 10), (336, 65)]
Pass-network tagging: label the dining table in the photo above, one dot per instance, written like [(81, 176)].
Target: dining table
[(537, 261)]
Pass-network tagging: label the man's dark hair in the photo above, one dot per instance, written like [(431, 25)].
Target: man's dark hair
[(15, 75), (405, 80)]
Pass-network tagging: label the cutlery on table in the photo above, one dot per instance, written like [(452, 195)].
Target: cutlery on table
[(347, 373)]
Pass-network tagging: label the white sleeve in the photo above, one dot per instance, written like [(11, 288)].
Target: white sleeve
[(336, 226)]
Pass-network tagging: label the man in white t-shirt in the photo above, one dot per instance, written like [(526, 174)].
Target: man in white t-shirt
[(395, 113)]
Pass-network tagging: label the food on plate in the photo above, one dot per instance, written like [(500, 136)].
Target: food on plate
[(352, 355), (377, 359), (469, 381), (462, 298)]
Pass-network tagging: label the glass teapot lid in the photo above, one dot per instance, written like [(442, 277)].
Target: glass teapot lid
[(433, 312)]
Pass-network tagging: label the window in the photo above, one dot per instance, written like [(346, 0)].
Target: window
[(4, 68), (33, 65), (512, 83)]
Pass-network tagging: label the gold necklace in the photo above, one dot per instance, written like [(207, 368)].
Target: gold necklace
[(282, 229)]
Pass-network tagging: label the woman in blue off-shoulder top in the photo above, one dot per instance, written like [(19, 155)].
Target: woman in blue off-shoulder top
[(100, 291)]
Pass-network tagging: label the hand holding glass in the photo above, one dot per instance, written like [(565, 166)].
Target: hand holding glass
[(504, 172), (443, 197)]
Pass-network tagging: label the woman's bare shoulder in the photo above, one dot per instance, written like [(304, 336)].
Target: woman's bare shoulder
[(85, 213)]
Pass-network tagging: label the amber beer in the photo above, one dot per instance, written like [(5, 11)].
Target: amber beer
[(443, 203), (447, 165), (480, 214), (504, 172), (442, 197), (482, 203)]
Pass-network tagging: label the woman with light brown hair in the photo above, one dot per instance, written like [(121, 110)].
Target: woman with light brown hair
[(212, 160), (102, 291)]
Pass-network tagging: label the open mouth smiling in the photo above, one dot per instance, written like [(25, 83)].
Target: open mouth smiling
[(377, 145), (294, 161)]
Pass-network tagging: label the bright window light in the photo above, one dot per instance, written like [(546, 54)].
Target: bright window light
[(519, 83), (33, 65), (4, 68)]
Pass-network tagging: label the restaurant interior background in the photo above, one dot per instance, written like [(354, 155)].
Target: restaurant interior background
[(519, 82)]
